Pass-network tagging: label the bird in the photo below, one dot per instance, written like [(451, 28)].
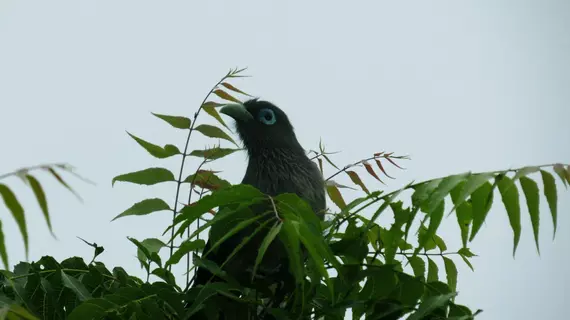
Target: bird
[(277, 164)]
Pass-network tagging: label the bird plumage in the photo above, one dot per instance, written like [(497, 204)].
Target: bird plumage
[(276, 164)]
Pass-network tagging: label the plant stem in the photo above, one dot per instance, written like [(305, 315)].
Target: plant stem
[(184, 155), (198, 220)]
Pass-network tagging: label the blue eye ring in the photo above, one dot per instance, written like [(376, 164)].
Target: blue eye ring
[(266, 116)]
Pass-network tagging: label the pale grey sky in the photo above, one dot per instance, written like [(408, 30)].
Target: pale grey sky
[(458, 85)]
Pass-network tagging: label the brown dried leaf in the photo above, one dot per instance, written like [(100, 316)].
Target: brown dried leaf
[(392, 162), (226, 96), (382, 169), (229, 86), (371, 171), (356, 179)]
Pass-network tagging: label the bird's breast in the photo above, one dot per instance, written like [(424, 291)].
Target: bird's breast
[(287, 175)]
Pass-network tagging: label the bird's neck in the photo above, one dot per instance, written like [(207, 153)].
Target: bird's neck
[(275, 164), (277, 156)]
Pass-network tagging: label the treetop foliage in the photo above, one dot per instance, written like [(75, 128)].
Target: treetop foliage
[(353, 263)]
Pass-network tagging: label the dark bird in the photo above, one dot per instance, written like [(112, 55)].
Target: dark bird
[(276, 164)]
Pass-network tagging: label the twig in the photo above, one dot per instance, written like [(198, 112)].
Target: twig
[(386, 156), (275, 209), (184, 155)]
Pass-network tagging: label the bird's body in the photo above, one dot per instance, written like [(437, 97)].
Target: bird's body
[(277, 164)]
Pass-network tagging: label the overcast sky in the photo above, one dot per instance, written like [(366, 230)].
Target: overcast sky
[(457, 85)]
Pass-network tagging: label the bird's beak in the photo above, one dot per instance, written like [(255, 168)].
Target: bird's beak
[(237, 111)]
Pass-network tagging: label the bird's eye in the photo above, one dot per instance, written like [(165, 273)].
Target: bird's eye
[(266, 116)]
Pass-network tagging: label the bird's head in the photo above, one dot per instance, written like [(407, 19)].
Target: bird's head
[(261, 125)]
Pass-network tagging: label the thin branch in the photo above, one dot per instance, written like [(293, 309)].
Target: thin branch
[(184, 155), (385, 156)]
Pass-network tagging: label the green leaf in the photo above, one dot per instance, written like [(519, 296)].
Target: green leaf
[(561, 172), (481, 201), (433, 271), (293, 204), (440, 243), (17, 211), (98, 249), (523, 172), (242, 208), (15, 309), (429, 241), (329, 161), (152, 245), (388, 199), (466, 252), (207, 179), (226, 96), (185, 247), (451, 273), (156, 151), (213, 153), (472, 184), (41, 197), (410, 290), (312, 237), (466, 260), (459, 312), (246, 239), (335, 196), (423, 191), (165, 275), (313, 247), (144, 207), (148, 176), (551, 196), (75, 286), (240, 193), (176, 122), (206, 292), (434, 221), (290, 238), (214, 132), (240, 226), (391, 239), (152, 256), (443, 189), (418, 265), (210, 108), (213, 268), (92, 309), (410, 221), (531, 193), (265, 244), (510, 197), (464, 213), (3, 252), (430, 304)]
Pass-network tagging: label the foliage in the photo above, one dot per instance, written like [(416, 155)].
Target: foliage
[(15, 207), (353, 263)]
